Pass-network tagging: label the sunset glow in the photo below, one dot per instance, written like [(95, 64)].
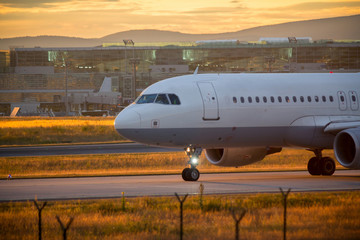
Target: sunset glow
[(97, 18)]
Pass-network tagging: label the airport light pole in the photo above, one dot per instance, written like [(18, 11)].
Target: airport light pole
[(66, 91), (65, 63), (134, 62), (127, 42), (293, 40)]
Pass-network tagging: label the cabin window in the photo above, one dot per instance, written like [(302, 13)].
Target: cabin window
[(353, 98), (162, 99), (271, 99), (174, 99)]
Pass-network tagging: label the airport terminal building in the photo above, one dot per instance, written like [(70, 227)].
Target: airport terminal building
[(34, 76)]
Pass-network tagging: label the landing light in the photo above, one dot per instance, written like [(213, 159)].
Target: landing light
[(194, 161)]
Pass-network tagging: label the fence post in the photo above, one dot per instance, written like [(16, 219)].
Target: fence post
[(39, 208), (64, 228), (285, 195), (237, 221), (181, 201)]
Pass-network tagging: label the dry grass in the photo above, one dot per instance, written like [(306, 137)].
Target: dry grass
[(138, 163), (310, 216), (44, 130), (47, 122)]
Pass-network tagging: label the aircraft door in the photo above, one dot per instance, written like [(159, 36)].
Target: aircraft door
[(210, 102)]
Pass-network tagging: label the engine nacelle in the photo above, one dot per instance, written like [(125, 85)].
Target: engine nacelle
[(234, 157), (347, 148)]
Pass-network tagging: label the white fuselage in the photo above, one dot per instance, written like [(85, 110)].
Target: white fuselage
[(244, 110)]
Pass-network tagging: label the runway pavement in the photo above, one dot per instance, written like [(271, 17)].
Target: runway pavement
[(167, 185), (81, 149)]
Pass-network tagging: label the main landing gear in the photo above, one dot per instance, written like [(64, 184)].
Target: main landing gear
[(321, 165), (191, 173)]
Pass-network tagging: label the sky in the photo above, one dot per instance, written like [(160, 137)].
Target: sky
[(98, 18)]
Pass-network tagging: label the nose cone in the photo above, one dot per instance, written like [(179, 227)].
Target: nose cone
[(127, 123)]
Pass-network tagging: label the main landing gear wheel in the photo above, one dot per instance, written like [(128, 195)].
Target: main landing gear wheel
[(192, 174), (321, 165), (314, 166), (328, 166)]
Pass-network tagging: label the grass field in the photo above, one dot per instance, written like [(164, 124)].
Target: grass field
[(138, 163), (310, 216), (45, 130)]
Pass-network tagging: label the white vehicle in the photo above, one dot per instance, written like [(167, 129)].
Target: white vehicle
[(240, 118)]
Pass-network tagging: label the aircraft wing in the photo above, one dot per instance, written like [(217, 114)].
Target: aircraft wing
[(336, 127)]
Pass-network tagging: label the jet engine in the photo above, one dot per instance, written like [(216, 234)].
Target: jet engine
[(347, 148), (233, 157)]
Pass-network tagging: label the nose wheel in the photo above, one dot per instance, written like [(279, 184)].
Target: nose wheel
[(191, 173)]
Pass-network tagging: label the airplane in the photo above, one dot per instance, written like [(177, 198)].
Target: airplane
[(239, 118)]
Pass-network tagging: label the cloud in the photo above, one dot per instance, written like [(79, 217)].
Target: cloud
[(81, 6), (24, 4), (96, 18), (313, 6), (305, 11), (29, 4), (213, 10)]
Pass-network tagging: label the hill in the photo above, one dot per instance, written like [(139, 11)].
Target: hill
[(339, 28)]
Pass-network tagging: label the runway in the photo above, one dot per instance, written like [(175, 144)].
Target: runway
[(167, 185), (81, 149)]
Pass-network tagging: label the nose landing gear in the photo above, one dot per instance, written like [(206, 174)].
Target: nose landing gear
[(321, 165), (192, 174)]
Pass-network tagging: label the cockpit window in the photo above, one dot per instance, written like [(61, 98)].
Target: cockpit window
[(162, 98), (174, 99), (147, 98)]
